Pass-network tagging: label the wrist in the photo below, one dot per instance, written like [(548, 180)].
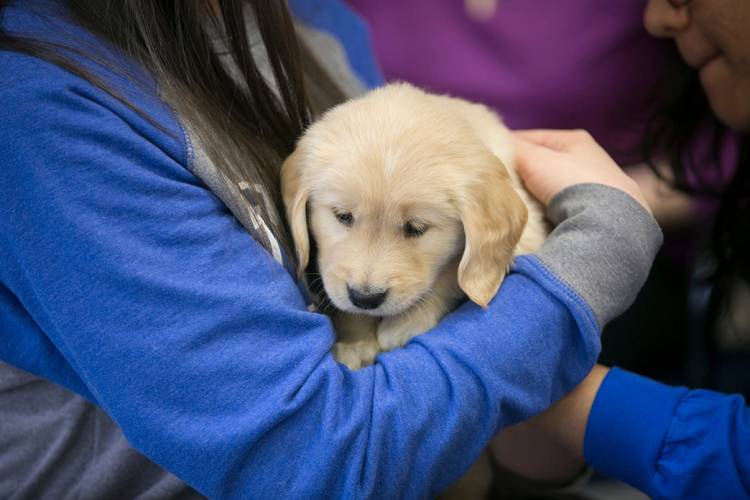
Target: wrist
[(567, 419), (549, 447), (528, 450)]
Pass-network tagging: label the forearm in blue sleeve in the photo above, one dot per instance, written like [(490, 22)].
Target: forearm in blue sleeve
[(670, 442)]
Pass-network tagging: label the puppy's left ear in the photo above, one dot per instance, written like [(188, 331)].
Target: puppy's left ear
[(494, 217), (295, 194)]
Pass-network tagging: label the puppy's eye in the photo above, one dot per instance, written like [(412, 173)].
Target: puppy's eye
[(346, 218), (413, 229)]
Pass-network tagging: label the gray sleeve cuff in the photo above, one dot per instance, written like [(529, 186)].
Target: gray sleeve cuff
[(603, 246)]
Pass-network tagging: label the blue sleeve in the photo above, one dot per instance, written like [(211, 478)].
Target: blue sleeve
[(198, 344), (670, 442)]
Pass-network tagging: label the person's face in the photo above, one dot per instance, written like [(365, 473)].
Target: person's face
[(713, 36)]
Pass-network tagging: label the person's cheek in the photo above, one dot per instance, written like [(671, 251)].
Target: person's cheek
[(728, 92)]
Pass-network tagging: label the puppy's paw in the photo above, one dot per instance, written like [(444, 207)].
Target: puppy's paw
[(395, 331), (355, 355)]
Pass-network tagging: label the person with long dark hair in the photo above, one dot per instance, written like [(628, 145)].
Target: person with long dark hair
[(669, 442), (146, 297)]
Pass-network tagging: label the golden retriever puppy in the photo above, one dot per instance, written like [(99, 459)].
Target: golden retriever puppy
[(413, 204)]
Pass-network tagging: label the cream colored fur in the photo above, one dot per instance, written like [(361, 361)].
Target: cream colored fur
[(398, 159)]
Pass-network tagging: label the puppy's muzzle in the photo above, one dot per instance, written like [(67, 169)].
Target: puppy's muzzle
[(367, 299)]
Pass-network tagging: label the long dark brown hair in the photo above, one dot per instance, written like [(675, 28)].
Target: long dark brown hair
[(684, 119), (246, 125)]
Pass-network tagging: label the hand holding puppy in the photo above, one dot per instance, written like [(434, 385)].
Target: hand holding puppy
[(551, 160)]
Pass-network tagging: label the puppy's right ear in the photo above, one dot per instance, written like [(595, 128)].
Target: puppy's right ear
[(295, 193), (494, 217)]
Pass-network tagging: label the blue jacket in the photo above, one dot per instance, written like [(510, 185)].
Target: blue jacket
[(670, 442)]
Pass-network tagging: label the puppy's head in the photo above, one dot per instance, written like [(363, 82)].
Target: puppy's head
[(394, 188)]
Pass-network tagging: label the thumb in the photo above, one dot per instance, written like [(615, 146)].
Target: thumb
[(557, 140)]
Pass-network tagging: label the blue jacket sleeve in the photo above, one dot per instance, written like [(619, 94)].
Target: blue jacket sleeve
[(670, 442), (197, 343)]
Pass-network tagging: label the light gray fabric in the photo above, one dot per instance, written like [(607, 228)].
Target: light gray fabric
[(59, 446), (603, 246), (331, 56), (324, 47)]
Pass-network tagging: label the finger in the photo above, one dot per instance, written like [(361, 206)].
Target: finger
[(559, 140), (539, 137)]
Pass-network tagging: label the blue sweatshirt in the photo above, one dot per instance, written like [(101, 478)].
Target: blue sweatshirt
[(670, 442)]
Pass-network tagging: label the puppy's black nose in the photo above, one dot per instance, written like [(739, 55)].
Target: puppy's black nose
[(366, 300)]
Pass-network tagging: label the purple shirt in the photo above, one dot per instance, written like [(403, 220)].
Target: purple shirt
[(564, 64)]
